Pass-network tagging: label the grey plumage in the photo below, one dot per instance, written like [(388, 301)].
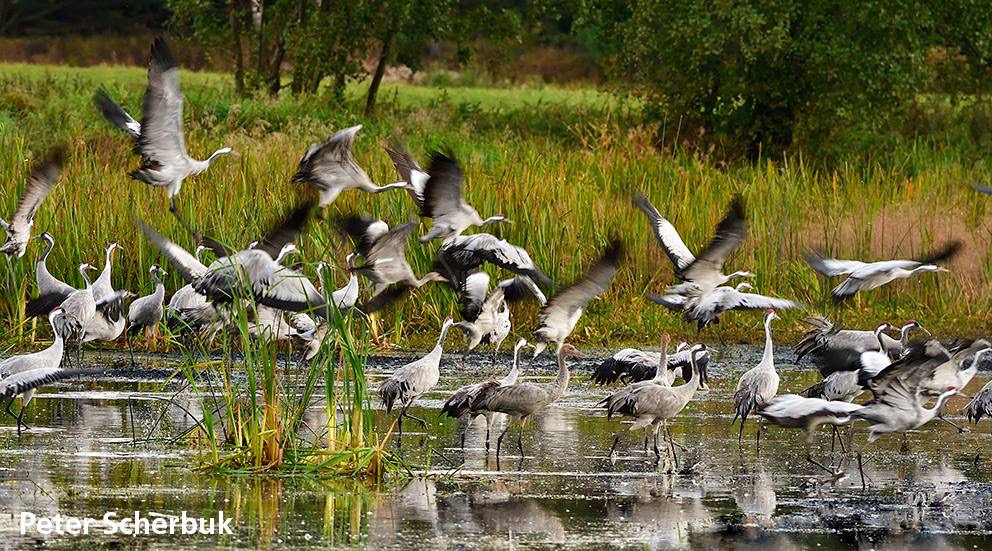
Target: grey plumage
[(384, 253), (147, 311), (44, 174), (864, 276), (653, 403), (759, 384), (416, 378), (521, 400), (487, 316), (330, 168), (461, 256), (164, 160), (705, 271), (103, 285), (109, 320), (838, 349), (116, 115), (444, 204), (410, 172), (467, 402), (845, 384), (705, 308), (47, 283), (631, 365), (559, 316)]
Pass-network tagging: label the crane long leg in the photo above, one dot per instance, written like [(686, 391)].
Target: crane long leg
[(740, 434), (499, 442), (952, 423), (520, 437), (671, 445), (657, 452), (757, 440), (861, 469), (489, 425), (415, 418), (668, 431), (10, 404), (20, 421), (616, 440), (646, 439)]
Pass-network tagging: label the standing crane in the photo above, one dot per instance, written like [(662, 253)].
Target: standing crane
[(757, 385), (466, 403), (522, 400), (146, 312), (413, 380), (654, 404)]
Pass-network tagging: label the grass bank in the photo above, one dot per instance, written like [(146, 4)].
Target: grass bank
[(559, 162)]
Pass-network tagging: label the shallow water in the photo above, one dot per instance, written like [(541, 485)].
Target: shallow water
[(84, 457)]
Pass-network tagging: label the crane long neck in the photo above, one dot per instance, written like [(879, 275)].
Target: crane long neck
[(926, 415), (418, 283), (561, 381), (511, 377), (49, 245), (661, 372), (687, 390), (86, 278), (440, 340), (767, 359)]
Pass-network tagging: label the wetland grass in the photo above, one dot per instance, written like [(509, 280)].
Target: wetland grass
[(560, 163)]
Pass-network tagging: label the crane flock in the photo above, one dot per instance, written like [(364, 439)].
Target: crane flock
[(904, 376)]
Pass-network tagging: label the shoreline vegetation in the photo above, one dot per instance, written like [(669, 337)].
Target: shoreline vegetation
[(560, 162)]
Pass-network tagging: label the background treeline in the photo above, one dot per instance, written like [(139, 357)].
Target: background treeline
[(730, 78)]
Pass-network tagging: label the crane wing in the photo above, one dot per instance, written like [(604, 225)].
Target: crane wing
[(593, 282), (730, 233), (42, 179), (331, 165), (161, 140), (666, 234), (443, 190), (117, 115)]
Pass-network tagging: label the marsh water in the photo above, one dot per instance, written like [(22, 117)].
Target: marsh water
[(85, 455)]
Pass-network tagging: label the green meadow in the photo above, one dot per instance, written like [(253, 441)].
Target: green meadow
[(560, 162)]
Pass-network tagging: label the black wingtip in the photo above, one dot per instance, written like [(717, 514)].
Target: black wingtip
[(943, 254), (161, 54), (614, 253)]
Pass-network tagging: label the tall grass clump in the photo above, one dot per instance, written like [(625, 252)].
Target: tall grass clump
[(257, 414)]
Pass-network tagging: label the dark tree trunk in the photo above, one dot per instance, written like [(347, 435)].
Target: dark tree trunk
[(239, 61), (380, 69), (275, 69)]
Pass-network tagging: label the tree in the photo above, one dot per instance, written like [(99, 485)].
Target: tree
[(761, 75)]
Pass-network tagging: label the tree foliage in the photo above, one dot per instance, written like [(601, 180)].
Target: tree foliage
[(760, 75)]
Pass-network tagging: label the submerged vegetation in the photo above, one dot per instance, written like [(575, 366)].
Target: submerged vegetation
[(559, 162)]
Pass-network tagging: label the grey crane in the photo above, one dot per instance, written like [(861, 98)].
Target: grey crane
[(46, 282), (410, 172), (159, 138), (346, 297), (522, 400), (559, 316), (466, 403), (957, 372), (146, 312), (444, 204), (462, 256), (22, 375), (705, 308), (759, 384), (797, 412), (185, 301), (44, 174), (78, 308), (632, 365), (840, 349), (898, 404), (864, 276), (486, 317), (846, 385), (413, 380), (704, 272), (103, 286), (109, 321), (330, 168), (384, 251), (653, 405)]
